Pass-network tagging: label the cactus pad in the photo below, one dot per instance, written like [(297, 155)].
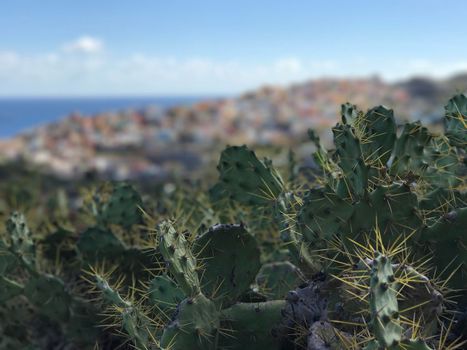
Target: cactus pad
[(247, 179), (276, 279), (455, 120), (164, 294), (229, 259), (195, 326), (383, 303), (181, 262), (96, 244), (48, 294), (123, 207), (349, 153), (322, 214)]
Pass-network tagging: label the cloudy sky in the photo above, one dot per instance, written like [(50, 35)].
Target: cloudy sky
[(88, 48)]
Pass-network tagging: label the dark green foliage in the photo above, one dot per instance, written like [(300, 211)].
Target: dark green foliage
[(98, 244), (194, 326), (164, 293), (323, 214), (350, 160), (229, 260), (48, 294), (123, 207), (383, 303), (251, 326), (9, 289), (276, 279), (181, 262), (378, 129), (21, 243), (455, 122), (248, 180)]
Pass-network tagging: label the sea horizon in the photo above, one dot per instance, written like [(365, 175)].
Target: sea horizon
[(19, 114)]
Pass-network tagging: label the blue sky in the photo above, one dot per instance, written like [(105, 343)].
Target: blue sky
[(214, 47)]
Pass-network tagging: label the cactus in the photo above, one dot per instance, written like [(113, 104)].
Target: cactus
[(384, 309), (229, 259), (195, 326), (9, 289), (248, 180), (455, 121), (49, 295), (383, 303), (276, 279), (323, 214), (181, 262), (164, 294), (350, 160), (251, 326), (123, 207), (133, 321), (97, 243), (22, 244)]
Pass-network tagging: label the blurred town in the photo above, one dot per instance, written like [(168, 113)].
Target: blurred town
[(155, 142)]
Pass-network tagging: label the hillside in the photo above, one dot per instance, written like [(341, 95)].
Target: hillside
[(155, 142)]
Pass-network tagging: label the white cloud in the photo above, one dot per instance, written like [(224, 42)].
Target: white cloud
[(63, 73), (84, 44)]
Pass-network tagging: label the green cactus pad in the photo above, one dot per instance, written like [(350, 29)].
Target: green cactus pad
[(322, 214), (383, 303), (455, 120), (276, 279), (379, 135), (349, 153), (177, 254), (48, 294), (251, 326), (447, 241), (419, 153), (452, 226), (21, 241), (396, 208), (133, 322), (9, 289), (59, 245), (195, 326), (230, 259), (164, 294), (123, 207), (349, 114), (98, 244), (248, 180), (7, 260)]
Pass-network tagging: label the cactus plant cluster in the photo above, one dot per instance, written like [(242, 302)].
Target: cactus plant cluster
[(365, 251)]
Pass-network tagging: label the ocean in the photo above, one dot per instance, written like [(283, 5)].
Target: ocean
[(22, 114)]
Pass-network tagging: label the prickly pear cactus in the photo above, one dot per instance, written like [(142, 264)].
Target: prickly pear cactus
[(97, 244), (230, 259), (350, 160), (9, 289), (455, 122), (195, 326), (123, 207), (179, 257), (49, 295), (383, 303), (164, 294), (323, 214), (251, 326), (22, 244), (276, 279), (247, 179)]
